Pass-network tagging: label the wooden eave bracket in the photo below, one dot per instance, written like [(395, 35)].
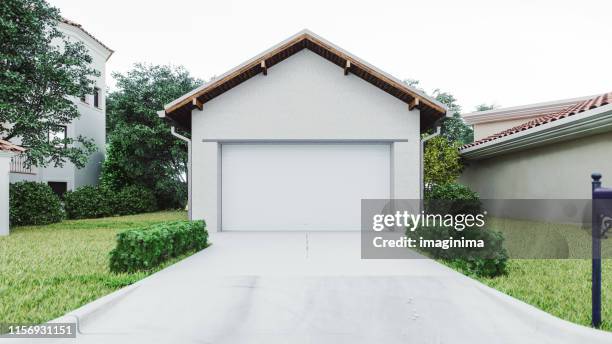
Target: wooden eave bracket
[(264, 68), (347, 67), (197, 104), (414, 103)]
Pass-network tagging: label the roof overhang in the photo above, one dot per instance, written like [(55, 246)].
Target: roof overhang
[(179, 111), (591, 122)]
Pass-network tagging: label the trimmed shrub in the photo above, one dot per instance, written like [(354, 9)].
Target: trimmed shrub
[(94, 201), (458, 199), (87, 202), (452, 198), (451, 191), (32, 203), (147, 247), (132, 200)]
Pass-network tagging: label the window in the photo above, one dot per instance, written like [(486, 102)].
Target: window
[(61, 134), (96, 97), (84, 98), (58, 188)]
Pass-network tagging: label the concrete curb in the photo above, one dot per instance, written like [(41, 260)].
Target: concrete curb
[(565, 329)]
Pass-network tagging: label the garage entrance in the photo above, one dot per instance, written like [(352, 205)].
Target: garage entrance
[(300, 186)]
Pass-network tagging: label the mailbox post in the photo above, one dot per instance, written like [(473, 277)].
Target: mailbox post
[(600, 223)]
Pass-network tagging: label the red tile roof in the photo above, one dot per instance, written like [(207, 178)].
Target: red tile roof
[(571, 110), (6, 146)]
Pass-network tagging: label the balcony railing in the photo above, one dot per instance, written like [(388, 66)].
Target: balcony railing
[(18, 166)]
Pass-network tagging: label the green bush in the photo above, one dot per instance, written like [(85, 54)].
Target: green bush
[(147, 247), (489, 261), (87, 202), (452, 198), (132, 200), (451, 191), (456, 199), (32, 203), (95, 201)]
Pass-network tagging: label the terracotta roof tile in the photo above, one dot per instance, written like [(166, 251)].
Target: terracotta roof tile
[(571, 110), (6, 146)]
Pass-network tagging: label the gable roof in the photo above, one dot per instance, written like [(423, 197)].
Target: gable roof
[(179, 111)]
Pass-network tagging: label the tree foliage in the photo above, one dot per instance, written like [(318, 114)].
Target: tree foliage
[(486, 107), (41, 71), (454, 127), (141, 149), (441, 161)]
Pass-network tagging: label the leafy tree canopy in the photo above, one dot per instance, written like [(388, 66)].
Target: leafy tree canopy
[(141, 149), (453, 128), (442, 162), (41, 71), (486, 107)]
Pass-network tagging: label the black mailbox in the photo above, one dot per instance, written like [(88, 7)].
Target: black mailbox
[(601, 224)]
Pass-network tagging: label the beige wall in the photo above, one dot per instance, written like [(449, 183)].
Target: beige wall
[(482, 130), (556, 171)]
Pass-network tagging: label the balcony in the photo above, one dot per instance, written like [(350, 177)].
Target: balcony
[(18, 166)]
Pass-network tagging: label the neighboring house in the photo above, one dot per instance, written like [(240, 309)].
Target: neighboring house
[(91, 124), (551, 155), (294, 138)]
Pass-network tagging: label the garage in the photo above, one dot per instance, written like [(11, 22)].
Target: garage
[(294, 138), (300, 186)]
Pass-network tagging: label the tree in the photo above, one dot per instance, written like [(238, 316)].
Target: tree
[(41, 70), (454, 127), (485, 107), (141, 149), (441, 161)]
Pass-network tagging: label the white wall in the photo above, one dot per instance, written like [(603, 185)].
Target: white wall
[(5, 160), (303, 98), (557, 171)]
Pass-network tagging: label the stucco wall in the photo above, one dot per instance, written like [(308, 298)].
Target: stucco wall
[(303, 98), (556, 171)]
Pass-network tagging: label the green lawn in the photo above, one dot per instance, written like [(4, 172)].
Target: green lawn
[(46, 271), (561, 287)]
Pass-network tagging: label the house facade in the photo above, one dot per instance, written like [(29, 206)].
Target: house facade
[(294, 138), (91, 124), (550, 156)]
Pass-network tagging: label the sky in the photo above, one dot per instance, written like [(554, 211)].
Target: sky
[(506, 53)]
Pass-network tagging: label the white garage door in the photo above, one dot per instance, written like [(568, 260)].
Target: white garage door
[(300, 187)]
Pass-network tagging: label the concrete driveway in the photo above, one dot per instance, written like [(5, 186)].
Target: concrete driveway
[(313, 288)]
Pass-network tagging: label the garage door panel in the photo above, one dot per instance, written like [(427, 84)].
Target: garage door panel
[(301, 186)]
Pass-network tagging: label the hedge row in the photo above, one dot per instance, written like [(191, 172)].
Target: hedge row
[(147, 247), (93, 201), (33, 203)]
